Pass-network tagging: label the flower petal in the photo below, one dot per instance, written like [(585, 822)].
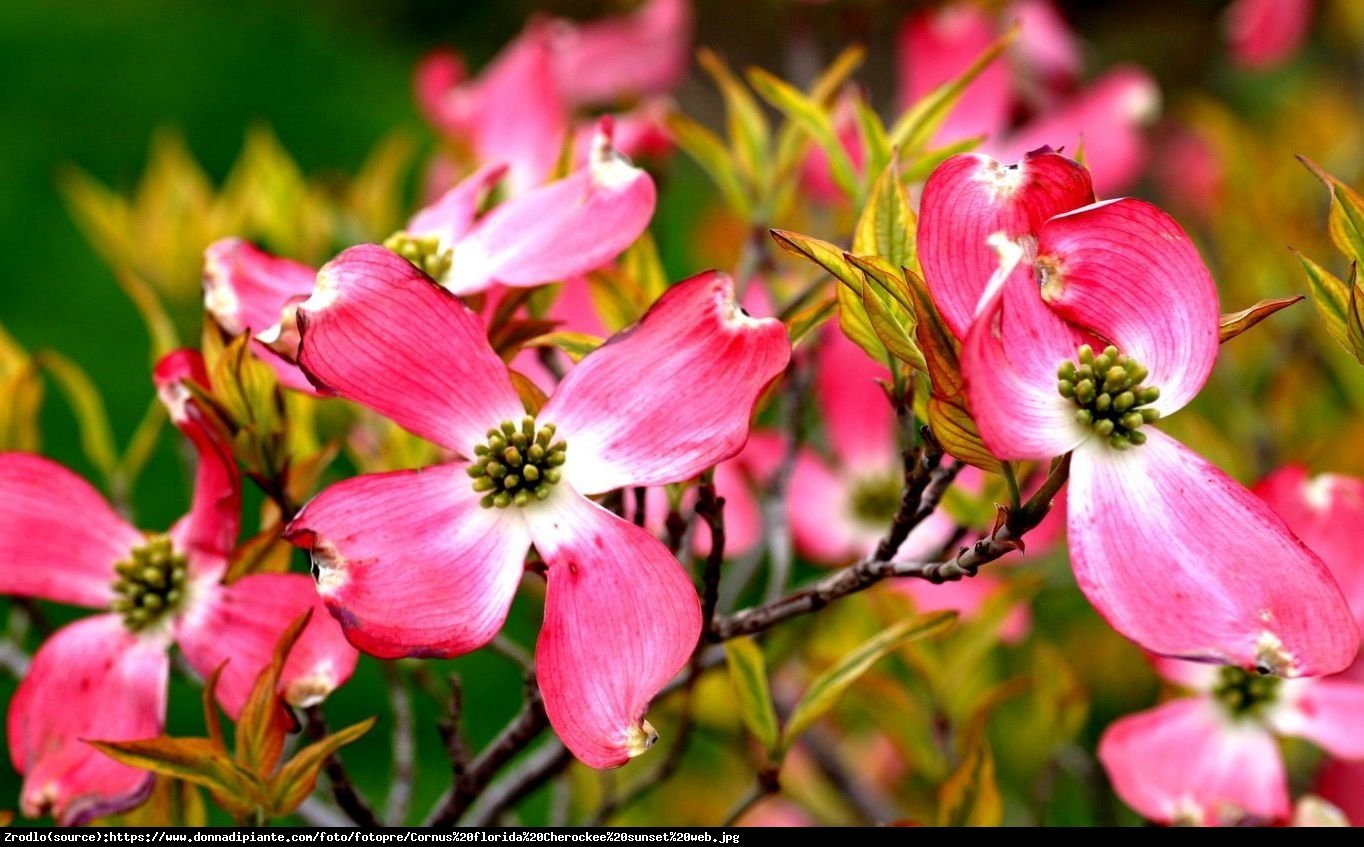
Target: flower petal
[(1125, 271), (59, 539), (670, 397), (860, 420), (1186, 562), (452, 215), (967, 597), (1009, 364), (209, 532), (1324, 711), (1325, 512), (1046, 45), (621, 619), (1264, 33), (819, 503), (1343, 784), (92, 680), (563, 229), (936, 46), (616, 58), (377, 331), (1106, 120), (1183, 762), (410, 564), (241, 623), (971, 197)]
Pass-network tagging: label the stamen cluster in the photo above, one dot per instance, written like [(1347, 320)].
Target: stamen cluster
[(150, 583), (424, 251), (1243, 692), (1108, 391), (517, 464)]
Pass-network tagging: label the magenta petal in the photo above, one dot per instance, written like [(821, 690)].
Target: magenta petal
[(1186, 562), (1046, 45), (1325, 512), (936, 46), (410, 564), (92, 680), (1265, 33), (1106, 120), (59, 539), (435, 83), (560, 230), (378, 332), (621, 619), (1127, 272), (1326, 712), (209, 532), (861, 421), (1009, 363), (967, 597), (646, 52), (241, 623), (819, 503), (970, 198), (1342, 783), (1184, 762), (672, 396), (452, 214)]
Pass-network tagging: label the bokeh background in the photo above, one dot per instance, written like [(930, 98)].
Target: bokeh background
[(88, 86)]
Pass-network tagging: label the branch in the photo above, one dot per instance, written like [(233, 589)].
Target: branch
[(711, 509), (346, 796), (537, 767), (1005, 537), (514, 738), (13, 659), (399, 800)]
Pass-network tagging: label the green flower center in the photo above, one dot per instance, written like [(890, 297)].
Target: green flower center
[(424, 251), (1109, 395), (876, 499), (1244, 693), (517, 464), (150, 584)]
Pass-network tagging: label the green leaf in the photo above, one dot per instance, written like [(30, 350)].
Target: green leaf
[(1346, 218), (813, 118), (749, 134), (1235, 323), (264, 721), (948, 416), (575, 344), (196, 760), (875, 139), (1338, 304), (828, 256), (791, 139), (825, 692), (212, 723), (893, 325), (801, 323), (96, 436), (247, 393), (706, 148), (917, 126), (295, 781), (748, 677), (886, 227), (970, 796)]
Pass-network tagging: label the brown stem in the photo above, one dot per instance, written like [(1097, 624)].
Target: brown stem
[(711, 509), (346, 796)]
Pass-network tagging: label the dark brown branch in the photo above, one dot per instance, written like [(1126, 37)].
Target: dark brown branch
[(451, 736), (514, 738), (530, 774), (711, 509), (1005, 537), (399, 799), (641, 505), (346, 796)]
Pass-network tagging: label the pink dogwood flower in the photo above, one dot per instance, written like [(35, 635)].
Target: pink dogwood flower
[(425, 562), (1038, 77), (1092, 321), (590, 217), (1212, 758), (1263, 34), (523, 104), (104, 677)]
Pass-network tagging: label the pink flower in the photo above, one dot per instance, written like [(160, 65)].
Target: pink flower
[(841, 507), (1262, 34), (104, 677), (425, 563), (1212, 758), (1094, 320), (1104, 118), (557, 231), (522, 105), (1342, 783)]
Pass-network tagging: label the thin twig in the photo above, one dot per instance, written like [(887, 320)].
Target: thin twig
[(1004, 538), (523, 729), (775, 511), (866, 798), (315, 812), (13, 659), (540, 765), (399, 800), (641, 505), (767, 784), (346, 796), (452, 737), (711, 509)]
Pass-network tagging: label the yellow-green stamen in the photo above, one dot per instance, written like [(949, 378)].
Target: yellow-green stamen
[(424, 251), (876, 499), (517, 464), (1107, 389), (1244, 693), (150, 583)]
